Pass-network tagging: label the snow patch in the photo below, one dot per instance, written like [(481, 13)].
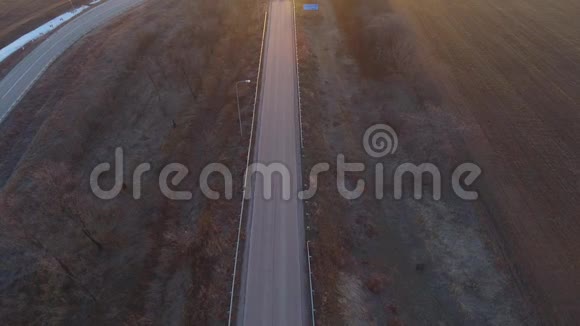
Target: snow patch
[(40, 31)]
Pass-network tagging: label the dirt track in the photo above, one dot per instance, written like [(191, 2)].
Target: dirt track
[(513, 68)]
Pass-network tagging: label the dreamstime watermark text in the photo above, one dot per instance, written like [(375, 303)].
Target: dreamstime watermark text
[(265, 179)]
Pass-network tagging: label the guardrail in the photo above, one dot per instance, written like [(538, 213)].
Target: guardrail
[(310, 282), (311, 289)]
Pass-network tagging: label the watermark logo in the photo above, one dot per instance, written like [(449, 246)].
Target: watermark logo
[(379, 141)]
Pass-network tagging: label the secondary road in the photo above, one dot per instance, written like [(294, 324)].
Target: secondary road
[(273, 289), (18, 81)]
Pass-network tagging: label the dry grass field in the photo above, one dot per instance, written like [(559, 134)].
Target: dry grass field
[(513, 69), (494, 82), (390, 261), (158, 82)]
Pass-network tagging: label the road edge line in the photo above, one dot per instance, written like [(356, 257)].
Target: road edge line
[(258, 77), (50, 62), (298, 91), (298, 76)]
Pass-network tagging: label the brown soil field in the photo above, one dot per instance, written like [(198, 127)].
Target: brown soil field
[(482, 81), (158, 82), (390, 261), (513, 72), (18, 17)]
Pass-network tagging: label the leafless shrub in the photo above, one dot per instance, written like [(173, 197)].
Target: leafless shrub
[(180, 239), (376, 283)]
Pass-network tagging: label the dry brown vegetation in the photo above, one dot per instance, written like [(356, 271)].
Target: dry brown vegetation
[(379, 39), (159, 83), (506, 97), (388, 45), (434, 261), (512, 73)]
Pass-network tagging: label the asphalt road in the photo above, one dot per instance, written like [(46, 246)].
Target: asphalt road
[(18, 81), (273, 290)]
